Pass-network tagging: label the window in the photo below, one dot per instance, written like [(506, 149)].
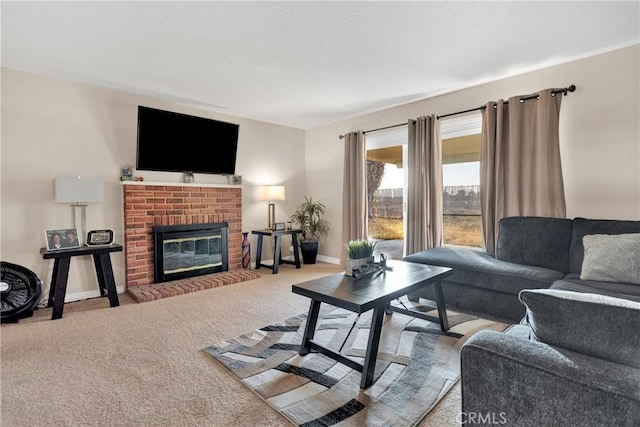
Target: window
[(386, 188), (461, 180)]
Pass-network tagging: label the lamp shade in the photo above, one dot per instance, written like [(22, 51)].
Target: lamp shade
[(271, 192), (77, 190)]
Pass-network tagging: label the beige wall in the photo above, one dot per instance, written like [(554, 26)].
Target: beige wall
[(54, 128), (599, 130)]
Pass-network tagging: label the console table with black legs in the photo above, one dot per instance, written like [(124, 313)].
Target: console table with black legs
[(277, 251), (62, 261)]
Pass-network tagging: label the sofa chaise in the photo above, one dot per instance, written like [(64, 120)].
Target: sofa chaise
[(531, 253)]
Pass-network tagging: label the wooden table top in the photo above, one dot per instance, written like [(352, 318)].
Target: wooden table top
[(368, 292), (82, 250)]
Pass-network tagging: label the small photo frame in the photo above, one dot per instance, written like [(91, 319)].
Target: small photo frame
[(66, 238), (100, 237), (126, 173)]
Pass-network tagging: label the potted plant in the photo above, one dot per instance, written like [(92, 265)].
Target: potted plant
[(310, 216), (359, 254)]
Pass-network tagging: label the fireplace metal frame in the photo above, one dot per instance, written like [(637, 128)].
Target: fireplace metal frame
[(165, 232)]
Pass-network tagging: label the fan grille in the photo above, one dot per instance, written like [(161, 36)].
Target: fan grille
[(21, 293)]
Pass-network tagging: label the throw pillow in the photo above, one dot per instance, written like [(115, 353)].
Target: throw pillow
[(592, 324), (611, 258)]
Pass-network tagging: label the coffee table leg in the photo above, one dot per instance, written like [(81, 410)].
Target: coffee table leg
[(372, 347), (310, 329), (442, 310)]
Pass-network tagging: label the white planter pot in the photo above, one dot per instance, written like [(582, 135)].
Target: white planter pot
[(357, 263)]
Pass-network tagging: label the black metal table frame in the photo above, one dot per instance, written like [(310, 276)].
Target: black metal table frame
[(62, 261), (277, 251), (371, 353)]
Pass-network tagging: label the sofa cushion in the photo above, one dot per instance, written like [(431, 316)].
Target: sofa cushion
[(528, 383), (538, 241), (473, 267), (583, 227), (611, 258), (572, 282), (591, 324)]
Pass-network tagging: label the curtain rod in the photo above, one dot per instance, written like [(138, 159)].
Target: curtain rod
[(564, 91)]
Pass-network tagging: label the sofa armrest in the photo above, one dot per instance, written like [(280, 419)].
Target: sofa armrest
[(528, 383)]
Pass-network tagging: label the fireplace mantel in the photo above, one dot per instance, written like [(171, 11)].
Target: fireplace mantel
[(180, 184)]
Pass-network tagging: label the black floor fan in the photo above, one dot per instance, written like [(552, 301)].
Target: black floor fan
[(20, 291)]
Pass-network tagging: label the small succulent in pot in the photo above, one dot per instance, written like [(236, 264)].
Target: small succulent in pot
[(360, 257), (357, 249)]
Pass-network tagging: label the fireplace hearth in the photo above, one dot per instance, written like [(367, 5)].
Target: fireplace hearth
[(182, 251)]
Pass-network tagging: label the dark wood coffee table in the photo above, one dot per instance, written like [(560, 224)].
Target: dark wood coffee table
[(375, 293)]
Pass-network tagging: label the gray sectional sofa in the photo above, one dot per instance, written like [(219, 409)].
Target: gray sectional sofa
[(531, 253), (575, 361), (574, 357)]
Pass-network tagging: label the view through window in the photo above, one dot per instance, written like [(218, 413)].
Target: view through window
[(461, 180), (386, 184), (386, 190)]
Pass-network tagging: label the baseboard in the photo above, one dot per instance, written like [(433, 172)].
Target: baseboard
[(321, 258), (79, 296), (328, 259)]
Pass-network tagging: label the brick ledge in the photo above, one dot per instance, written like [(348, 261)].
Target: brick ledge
[(193, 284)]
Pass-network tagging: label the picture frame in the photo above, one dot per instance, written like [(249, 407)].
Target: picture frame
[(62, 238), (99, 237), (126, 173)]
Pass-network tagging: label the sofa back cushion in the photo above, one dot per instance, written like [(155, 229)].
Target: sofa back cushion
[(611, 258), (537, 241), (591, 324), (583, 227)]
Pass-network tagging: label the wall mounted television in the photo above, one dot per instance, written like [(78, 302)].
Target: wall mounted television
[(175, 142)]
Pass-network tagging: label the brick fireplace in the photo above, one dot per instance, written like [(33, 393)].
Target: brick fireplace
[(148, 204)]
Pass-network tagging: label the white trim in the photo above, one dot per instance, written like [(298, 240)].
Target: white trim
[(387, 138), (463, 125), (79, 296), (179, 184), (321, 258), (328, 259)]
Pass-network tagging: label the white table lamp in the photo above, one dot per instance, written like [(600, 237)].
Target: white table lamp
[(270, 193), (78, 192)]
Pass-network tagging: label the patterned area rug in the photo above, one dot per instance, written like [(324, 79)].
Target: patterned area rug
[(417, 364)]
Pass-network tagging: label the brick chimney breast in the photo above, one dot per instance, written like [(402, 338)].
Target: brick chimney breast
[(147, 205)]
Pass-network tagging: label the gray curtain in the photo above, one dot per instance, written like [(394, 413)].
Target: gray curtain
[(520, 167), (424, 188), (354, 194)]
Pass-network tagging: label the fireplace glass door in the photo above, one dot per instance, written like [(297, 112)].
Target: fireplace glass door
[(182, 251)]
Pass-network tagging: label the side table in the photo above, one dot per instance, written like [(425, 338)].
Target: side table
[(62, 260), (277, 252)]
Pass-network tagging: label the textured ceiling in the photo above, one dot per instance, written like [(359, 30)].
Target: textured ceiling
[(304, 64)]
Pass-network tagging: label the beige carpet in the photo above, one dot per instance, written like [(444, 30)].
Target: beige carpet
[(417, 364), (143, 364)]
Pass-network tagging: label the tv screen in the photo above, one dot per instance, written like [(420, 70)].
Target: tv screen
[(174, 142)]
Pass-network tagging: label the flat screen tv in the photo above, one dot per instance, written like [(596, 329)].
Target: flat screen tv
[(174, 142)]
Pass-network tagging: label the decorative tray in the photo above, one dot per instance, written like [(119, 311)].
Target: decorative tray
[(371, 268)]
